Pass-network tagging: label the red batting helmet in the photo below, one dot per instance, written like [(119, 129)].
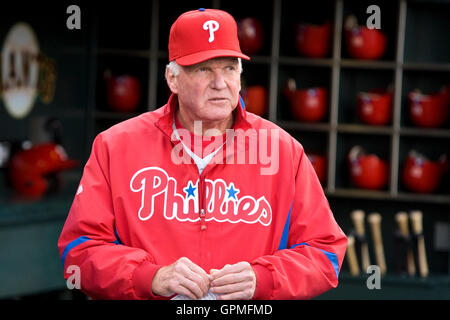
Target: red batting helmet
[(30, 169)]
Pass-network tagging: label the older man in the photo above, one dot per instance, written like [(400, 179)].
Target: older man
[(184, 201)]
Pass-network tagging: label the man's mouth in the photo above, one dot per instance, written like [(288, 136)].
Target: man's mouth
[(217, 99)]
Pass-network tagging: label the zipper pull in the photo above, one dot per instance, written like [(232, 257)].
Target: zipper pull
[(202, 218)]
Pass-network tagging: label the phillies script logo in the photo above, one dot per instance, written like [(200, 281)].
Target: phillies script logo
[(223, 203)]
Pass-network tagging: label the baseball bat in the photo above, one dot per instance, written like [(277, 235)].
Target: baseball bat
[(351, 256), (417, 227), (374, 220), (402, 221), (358, 222)]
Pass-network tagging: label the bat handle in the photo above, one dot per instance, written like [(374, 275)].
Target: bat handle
[(416, 222), (374, 220), (351, 256), (402, 220)]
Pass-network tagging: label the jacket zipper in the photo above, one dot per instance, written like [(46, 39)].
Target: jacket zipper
[(203, 256), (202, 212)]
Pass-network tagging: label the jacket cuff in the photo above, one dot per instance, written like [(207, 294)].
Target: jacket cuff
[(264, 282), (142, 280)]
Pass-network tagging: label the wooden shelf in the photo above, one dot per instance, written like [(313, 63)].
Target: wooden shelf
[(368, 64), (295, 125), (386, 195), (294, 61), (364, 129), (422, 132), (416, 66)]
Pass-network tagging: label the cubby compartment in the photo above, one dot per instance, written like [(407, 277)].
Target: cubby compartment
[(432, 110), (420, 177), (309, 32), (376, 48), (294, 84), (378, 145), (426, 38), (255, 20), (354, 81), (111, 67)]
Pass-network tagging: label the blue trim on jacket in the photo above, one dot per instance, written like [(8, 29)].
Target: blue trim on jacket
[(330, 255), (79, 241), (284, 240), (284, 236)]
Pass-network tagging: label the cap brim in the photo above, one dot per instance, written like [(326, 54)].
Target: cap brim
[(198, 57)]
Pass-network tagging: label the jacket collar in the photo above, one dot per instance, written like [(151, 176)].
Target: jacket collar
[(164, 122)]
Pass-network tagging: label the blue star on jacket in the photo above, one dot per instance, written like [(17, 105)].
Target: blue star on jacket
[(190, 190), (232, 191)]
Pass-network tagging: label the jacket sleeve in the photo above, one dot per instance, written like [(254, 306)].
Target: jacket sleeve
[(89, 241), (312, 247)]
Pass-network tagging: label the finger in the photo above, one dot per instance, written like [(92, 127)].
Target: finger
[(233, 287), (195, 268), (241, 295), (179, 289), (199, 272), (230, 268), (231, 278), (202, 283), (191, 286)]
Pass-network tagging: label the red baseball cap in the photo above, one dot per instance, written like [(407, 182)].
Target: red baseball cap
[(203, 34)]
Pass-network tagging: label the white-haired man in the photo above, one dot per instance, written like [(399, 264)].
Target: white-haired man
[(175, 202)]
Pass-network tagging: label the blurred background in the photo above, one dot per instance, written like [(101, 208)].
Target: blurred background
[(363, 85)]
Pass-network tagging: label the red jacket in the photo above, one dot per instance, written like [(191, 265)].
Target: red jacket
[(137, 209)]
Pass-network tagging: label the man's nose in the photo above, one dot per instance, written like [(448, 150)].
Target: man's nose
[(218, 80)]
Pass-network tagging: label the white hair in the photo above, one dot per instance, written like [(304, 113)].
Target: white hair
[(175, 68)]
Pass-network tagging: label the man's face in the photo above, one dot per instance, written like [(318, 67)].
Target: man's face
[(208, 91)]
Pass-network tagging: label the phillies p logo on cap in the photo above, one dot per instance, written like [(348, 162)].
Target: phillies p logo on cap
[(212, 26), (203, 34)]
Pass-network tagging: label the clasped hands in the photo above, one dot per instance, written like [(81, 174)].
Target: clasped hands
[(232, 282)]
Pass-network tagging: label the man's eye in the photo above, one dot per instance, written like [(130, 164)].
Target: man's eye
[(202, 69), (231, 68)]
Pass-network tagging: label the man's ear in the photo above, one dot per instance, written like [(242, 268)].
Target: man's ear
[(171, 81)]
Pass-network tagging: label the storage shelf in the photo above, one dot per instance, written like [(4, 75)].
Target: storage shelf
[(415, 66), (296, 125), (259, 60), (421, 132), (368, 64), (365, 129), (386, 195), (305, 62), (431, 198)]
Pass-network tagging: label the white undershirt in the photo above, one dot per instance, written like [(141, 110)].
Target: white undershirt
[(200, 162)]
